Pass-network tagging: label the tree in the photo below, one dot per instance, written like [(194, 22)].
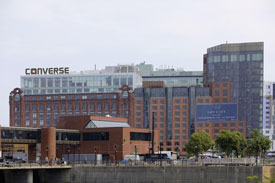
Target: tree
[(227, 141), (198, 143), (258, 144)]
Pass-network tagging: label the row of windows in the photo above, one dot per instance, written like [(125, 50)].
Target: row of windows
[(77, 97), (175, 101), (235, 57), (224, 85), (220, 124), (56, 114), (71, 107), (218, 131), (40, 122)]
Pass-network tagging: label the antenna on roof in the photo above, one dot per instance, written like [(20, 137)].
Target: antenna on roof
[(95, 66)]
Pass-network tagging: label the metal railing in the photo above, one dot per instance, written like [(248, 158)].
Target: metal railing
[(165, 163)]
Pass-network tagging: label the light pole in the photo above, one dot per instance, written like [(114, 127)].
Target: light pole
[(135, 155), (68, 150), (79, 154), (115, 153), (95, 155)]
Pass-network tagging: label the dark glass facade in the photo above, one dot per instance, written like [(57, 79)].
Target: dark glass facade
[(242, 65)]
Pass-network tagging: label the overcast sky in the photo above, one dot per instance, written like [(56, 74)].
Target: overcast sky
[(82, 33)]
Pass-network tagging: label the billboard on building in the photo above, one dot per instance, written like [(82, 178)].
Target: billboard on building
[(216, 112)]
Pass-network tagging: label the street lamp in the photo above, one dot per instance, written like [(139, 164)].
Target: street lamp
[(95, 155), (115, 153), (135, 154), (79, 154), (68, 150)]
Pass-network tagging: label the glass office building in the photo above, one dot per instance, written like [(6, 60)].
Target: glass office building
[(242, 65), (84, 82)]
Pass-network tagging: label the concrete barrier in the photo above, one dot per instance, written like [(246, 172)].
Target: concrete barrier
[(141, 174)]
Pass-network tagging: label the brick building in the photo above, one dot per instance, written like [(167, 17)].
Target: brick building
[(44, 110), (109, 136)]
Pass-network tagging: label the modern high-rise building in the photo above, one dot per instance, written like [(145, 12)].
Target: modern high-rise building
[(268, 112), (242, 65)]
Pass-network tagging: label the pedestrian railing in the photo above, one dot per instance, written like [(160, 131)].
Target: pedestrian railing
[(166, 163)]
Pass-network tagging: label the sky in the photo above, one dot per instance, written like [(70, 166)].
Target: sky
[(82, 33)]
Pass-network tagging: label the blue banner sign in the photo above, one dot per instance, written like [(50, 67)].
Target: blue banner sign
[(216, 112)]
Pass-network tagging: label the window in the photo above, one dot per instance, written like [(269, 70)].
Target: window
[(154, 101), (34, 115), (114, 106), (138, 101), (77, 107), (177, 131), (41, 122), (48, 97), (27, 122), (224, 85), (206, 124), (161, 107), (217, 85), (56, 107), (34, 108), (216, 100), (48, 107), (138, 114), (241, 124), (162, 101), (140, 136), (224, 93), (138, 107), (232, 124), (217, 93), (177, 101), (155, 107), (224, 125), (27, 108), (84, 97), (216, 125), (242, 58), (177, 107), (225, 58), (177, 125), (234, 58), (161, 113), (48, 115), (96, 136), (98, 106), (199, 124), (41, 115), (34, 122), (257, 57), (27, 115)]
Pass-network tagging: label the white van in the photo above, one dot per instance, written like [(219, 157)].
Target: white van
[(131, 157)]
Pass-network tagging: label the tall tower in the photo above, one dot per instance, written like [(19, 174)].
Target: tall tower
[(242, 65)]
